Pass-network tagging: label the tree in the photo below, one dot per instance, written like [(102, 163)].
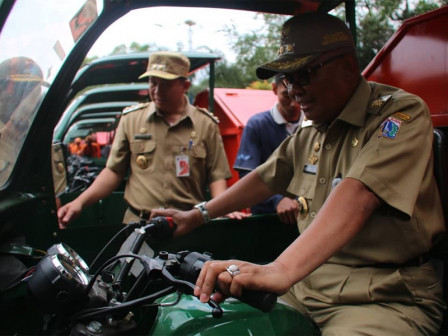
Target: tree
[(255, 48), (376, 22), (373, 31), (227, 75), (378, 19), (135, 47)]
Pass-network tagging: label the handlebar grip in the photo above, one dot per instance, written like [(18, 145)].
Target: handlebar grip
[(192, 265), (265, 301)]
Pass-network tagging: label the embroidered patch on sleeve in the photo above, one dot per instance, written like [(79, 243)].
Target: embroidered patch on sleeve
[(390, 128), (402, 116)]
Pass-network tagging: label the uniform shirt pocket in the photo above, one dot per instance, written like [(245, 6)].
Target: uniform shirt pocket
[(199, 151), (303, 185), (142, 154)]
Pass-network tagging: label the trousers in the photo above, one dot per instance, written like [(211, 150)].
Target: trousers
[(344, 300)]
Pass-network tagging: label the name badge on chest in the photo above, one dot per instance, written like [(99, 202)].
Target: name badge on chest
[(182, 165), (310, 169)]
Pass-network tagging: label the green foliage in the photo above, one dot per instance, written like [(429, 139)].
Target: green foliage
[(372, 34), (135, 47), (227, 75), (260, 85), (87, 60), (424, 6), (255, 48), (376, 22)]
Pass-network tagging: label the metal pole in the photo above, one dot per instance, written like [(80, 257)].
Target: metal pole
[(211, 98)]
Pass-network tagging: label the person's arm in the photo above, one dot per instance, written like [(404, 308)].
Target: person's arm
[(217, 187), (244, 193), (105, 183), (331, 230)]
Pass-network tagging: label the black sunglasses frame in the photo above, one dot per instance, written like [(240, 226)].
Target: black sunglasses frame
[(303, 78)]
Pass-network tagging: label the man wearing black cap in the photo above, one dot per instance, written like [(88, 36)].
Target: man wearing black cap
[(172, 149), (362, 168)]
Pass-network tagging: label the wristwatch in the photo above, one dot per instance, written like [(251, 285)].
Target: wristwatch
[(204, 212)]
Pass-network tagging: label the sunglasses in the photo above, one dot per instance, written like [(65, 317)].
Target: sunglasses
[(303, 78)]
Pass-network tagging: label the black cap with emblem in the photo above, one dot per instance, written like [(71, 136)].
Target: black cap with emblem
[(304, 38)]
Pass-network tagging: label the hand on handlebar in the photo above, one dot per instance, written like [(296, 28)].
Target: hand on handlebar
[(252, 277), (186, 221)]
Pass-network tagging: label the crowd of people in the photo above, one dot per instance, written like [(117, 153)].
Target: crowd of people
[(361, 264), (87, 147), (332, 149)]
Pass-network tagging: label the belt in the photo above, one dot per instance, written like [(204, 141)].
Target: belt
[(415, 262), (142, 214)]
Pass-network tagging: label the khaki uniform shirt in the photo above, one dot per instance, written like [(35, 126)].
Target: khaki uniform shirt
[(383, 138), (146, 144)]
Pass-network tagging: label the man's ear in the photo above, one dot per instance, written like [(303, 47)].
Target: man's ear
[(187, 85), (274, 88), (350, 66)]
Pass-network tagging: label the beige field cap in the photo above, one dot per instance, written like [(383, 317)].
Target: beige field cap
[(304, 38), (167, 65)]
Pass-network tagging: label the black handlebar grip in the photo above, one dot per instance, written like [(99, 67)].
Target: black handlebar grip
[(192, 265), (265, 301)]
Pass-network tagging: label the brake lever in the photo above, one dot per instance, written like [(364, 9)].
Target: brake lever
[(188, 287)]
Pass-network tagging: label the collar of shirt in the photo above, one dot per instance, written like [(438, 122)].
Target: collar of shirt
[(356, 108), (278, 118), (354, 111)]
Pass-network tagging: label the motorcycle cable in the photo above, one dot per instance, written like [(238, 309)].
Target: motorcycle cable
[(96, 312), (129, 227), (111, 260)]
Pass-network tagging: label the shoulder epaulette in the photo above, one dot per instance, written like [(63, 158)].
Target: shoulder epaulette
[(135, 107), (208, 113), (378, 103)]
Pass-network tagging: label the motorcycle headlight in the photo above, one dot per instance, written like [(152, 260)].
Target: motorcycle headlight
[(69, 253), (56, 281)]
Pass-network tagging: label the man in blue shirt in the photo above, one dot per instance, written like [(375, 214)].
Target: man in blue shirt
[(261, 136)]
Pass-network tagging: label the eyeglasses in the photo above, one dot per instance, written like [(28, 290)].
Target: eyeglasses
[(303, 78)]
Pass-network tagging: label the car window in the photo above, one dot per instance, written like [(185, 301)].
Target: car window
[(36, 38)]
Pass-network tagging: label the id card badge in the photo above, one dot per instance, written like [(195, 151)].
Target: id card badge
[(182, 165)]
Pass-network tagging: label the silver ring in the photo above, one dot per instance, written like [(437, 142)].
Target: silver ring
[(233, 270)]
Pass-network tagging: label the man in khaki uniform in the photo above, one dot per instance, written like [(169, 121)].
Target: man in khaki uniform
[(173, 149), (361, 167)]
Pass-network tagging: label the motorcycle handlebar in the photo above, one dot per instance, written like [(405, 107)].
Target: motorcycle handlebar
[(191, 266), (56, 275)]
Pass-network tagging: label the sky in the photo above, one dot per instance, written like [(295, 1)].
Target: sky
[(166, 27)]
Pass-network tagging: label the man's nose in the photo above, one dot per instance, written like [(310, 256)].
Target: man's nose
[(293, 103)]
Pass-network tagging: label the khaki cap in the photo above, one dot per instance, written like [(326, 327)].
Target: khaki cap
[(304, 38), (167, 65)]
